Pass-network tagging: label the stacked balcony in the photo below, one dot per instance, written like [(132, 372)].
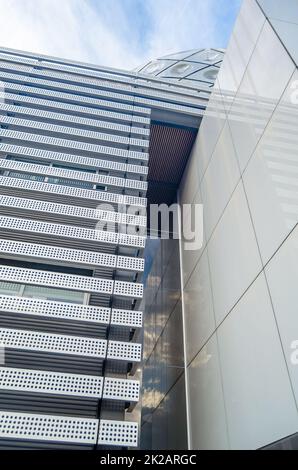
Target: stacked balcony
[(73, 169)]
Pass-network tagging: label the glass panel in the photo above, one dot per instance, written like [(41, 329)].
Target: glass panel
[(8, 288), (49, 293), (73, 183)]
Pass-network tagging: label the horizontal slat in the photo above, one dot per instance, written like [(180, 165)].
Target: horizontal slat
[(73, 131), (78, 121), (69, 281), (70, 231), (152, 93), (37, 169), (72, 211), (121, 389), (51, 428), (70, 256), (118, 433), (124, 317), (71, 97), (59, 310), (53, 279), (123, 351), (85, 162), (52, 383), (77, 109), (27, 340), (60, 383), (73, 144), (114, 77), (80, 193), (69, 311)]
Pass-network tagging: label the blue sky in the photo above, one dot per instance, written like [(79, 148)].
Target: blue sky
[(115, 33)]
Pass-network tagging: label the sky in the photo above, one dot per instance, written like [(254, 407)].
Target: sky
[(115, 33)]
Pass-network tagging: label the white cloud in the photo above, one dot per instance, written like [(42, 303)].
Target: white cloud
[(116, 33)]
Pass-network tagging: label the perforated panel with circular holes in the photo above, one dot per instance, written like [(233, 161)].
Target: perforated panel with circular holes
[(50, 383), (53, 309), (46, 342), (123, 351), (48, 428), (118, 433)]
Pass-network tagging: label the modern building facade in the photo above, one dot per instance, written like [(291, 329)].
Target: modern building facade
[(74, 147), (213, 334), (221, 368)]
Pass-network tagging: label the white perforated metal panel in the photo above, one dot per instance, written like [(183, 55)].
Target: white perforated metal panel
[(55, 310), (94, 178), (123, 351), (72, 97), (194, 100), (72, 192), (72, 144), (70, 231), (50, 428), (87, 162), (52, 343), (70, 256), (120, 80), (73, 131), (71, 211), (114, 127), (121, 389), (78, 109), (53, 279), (118, 433), (128, 289), (123, 317), (55, 383)]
